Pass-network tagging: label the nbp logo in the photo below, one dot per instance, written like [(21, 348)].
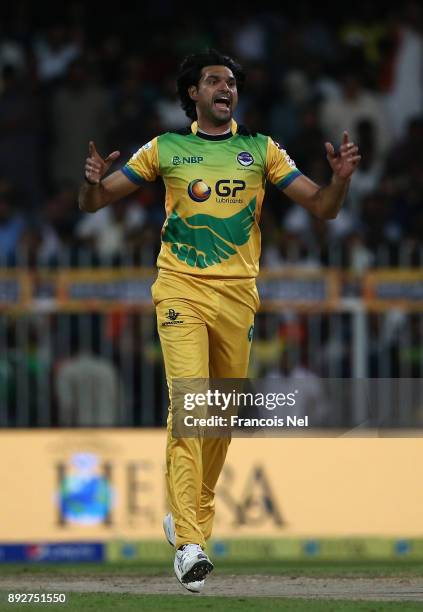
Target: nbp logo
[(194, 159), (198, 190)]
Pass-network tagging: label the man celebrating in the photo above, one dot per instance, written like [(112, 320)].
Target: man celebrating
[(205, 294)]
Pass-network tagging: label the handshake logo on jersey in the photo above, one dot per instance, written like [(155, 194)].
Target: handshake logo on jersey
[(203, 240)]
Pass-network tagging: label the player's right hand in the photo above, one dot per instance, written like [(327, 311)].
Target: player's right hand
[(95, 166)]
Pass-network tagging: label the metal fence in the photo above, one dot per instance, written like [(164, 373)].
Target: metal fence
[(79, 347)]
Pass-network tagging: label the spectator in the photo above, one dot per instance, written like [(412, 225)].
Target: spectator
[(169, 110), (376, 216), (250, 39), (57, 225), (54, 51), (88, 390), (369, 173), (289, 376), (359, 257), (285, 117), (132, 107), (407, 151), (110, 229), (80, 113), (404, 89), (19, 136), (12, 54), (12, 223), (355, 104)]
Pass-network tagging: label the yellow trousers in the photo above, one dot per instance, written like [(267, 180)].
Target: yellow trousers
[(205, 328)]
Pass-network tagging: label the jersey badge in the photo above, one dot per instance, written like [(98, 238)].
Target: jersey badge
[(245, 158)]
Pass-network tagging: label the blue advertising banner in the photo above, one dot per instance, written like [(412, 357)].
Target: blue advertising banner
[(53, 553)]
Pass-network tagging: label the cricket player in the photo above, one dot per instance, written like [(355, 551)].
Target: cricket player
[(215, 173)]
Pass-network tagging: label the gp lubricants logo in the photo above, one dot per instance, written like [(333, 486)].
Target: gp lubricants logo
[(198, 190), (226, 190)]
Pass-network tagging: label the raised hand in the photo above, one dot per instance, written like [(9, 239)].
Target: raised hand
[(346, 160), (95, 166)]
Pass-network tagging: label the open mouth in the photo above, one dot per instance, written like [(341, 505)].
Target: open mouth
[(222, 103)]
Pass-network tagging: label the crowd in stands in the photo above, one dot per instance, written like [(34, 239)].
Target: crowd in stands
[(73, 74), (67, 78)]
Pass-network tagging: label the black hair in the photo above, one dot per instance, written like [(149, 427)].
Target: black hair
[(190, 73)]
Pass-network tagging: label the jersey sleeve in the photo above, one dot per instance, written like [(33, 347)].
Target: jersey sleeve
[(280, 168), (144, 164)]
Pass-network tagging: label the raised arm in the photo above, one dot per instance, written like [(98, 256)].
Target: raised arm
[(96, 192), (325, 202)]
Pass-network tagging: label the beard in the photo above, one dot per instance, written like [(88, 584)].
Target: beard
[(218, 117)]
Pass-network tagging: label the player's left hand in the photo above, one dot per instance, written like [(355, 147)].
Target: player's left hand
[(346, 160)]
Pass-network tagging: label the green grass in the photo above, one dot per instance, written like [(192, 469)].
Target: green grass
[(402, 568), (180, 603), (122, 602), (175, 603)]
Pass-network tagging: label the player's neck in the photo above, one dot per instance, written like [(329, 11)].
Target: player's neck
[(213, 130), (214, 133)]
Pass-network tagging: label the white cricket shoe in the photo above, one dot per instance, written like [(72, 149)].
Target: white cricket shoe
[(191, 565), (194, 586)]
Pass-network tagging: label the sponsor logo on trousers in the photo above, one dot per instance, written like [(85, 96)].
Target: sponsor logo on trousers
[(172, 315)]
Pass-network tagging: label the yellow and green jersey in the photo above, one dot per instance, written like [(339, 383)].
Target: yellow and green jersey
[(214, 192)]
